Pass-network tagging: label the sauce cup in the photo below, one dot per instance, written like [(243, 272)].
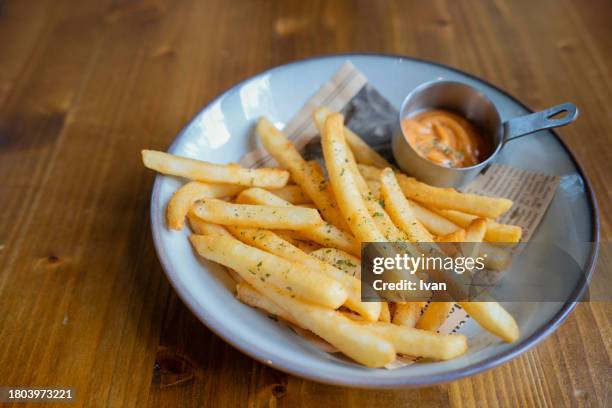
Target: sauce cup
[(476, 107)]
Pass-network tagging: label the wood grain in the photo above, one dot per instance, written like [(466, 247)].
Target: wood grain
[(85, 85)]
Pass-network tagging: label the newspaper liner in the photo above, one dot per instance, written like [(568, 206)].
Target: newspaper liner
[(531, 192)]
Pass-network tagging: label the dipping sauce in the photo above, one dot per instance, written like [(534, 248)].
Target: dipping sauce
[(446, 138)]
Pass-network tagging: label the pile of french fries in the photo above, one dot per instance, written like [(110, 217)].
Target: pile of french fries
[(291, 239)]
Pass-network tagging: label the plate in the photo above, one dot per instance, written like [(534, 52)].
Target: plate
[(223, 131)]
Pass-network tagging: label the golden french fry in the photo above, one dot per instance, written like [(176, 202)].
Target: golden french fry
[(308, 205), (248, 295), (313, 184), (205, 228), (342, 157), (399, 209), (292, 194), (420, 343), (378, 213), (362, 151), (385, 313), (201, 227), (324, 234), (476, 230), (489, 314), (405, 340), (407, 313), (496, 232), (496, 258), (259, 216), (255, 265), (375, 208), (450, 199), (187, 195), (307, 246), (342, 180), (316, 167), (374, 187), (288, 236), (272, 243), (434, 316), (494, 318), (435, 223), (370, 173), (261, 197), (383, 222), (340, 259), (213, 173), (381, 217), (457, 236), (348, 336)]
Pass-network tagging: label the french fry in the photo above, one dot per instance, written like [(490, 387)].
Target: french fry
[(362, 151), (420, 343), (340, 259), (437, 312), (407, 313), (316, 167), (439, 225), (489, 314), (457, 236), (201, 227), (496, 258), (374, 187), (496, 232), (447, 231), (474, 233), (370, 173), (435, 223), (476, 230), (248, 295), (292, 194), (272, 243), (259, 216), (494, 318), (399, 209), (342, 180), (375, 208), (187, 195), (205, 228), (348, 336), (308, 205), (166, 163), (261, 197), (450, 199), (404, 340), (383, 222), (255, 265), (381, 219), (385, 313), (307, 246), (434, 316), (324, 234), (313, 184)]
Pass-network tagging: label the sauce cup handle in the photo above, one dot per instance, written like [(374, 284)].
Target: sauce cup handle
[(524, 125)]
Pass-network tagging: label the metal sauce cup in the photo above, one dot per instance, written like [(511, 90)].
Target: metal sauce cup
[(474, 106)]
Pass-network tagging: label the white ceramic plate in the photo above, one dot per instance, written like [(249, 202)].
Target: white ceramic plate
[(222, 132)]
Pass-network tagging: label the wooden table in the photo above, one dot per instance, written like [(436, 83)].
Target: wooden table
[(84, 85)]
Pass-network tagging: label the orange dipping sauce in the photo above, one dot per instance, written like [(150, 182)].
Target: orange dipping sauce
[(446, 138)]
